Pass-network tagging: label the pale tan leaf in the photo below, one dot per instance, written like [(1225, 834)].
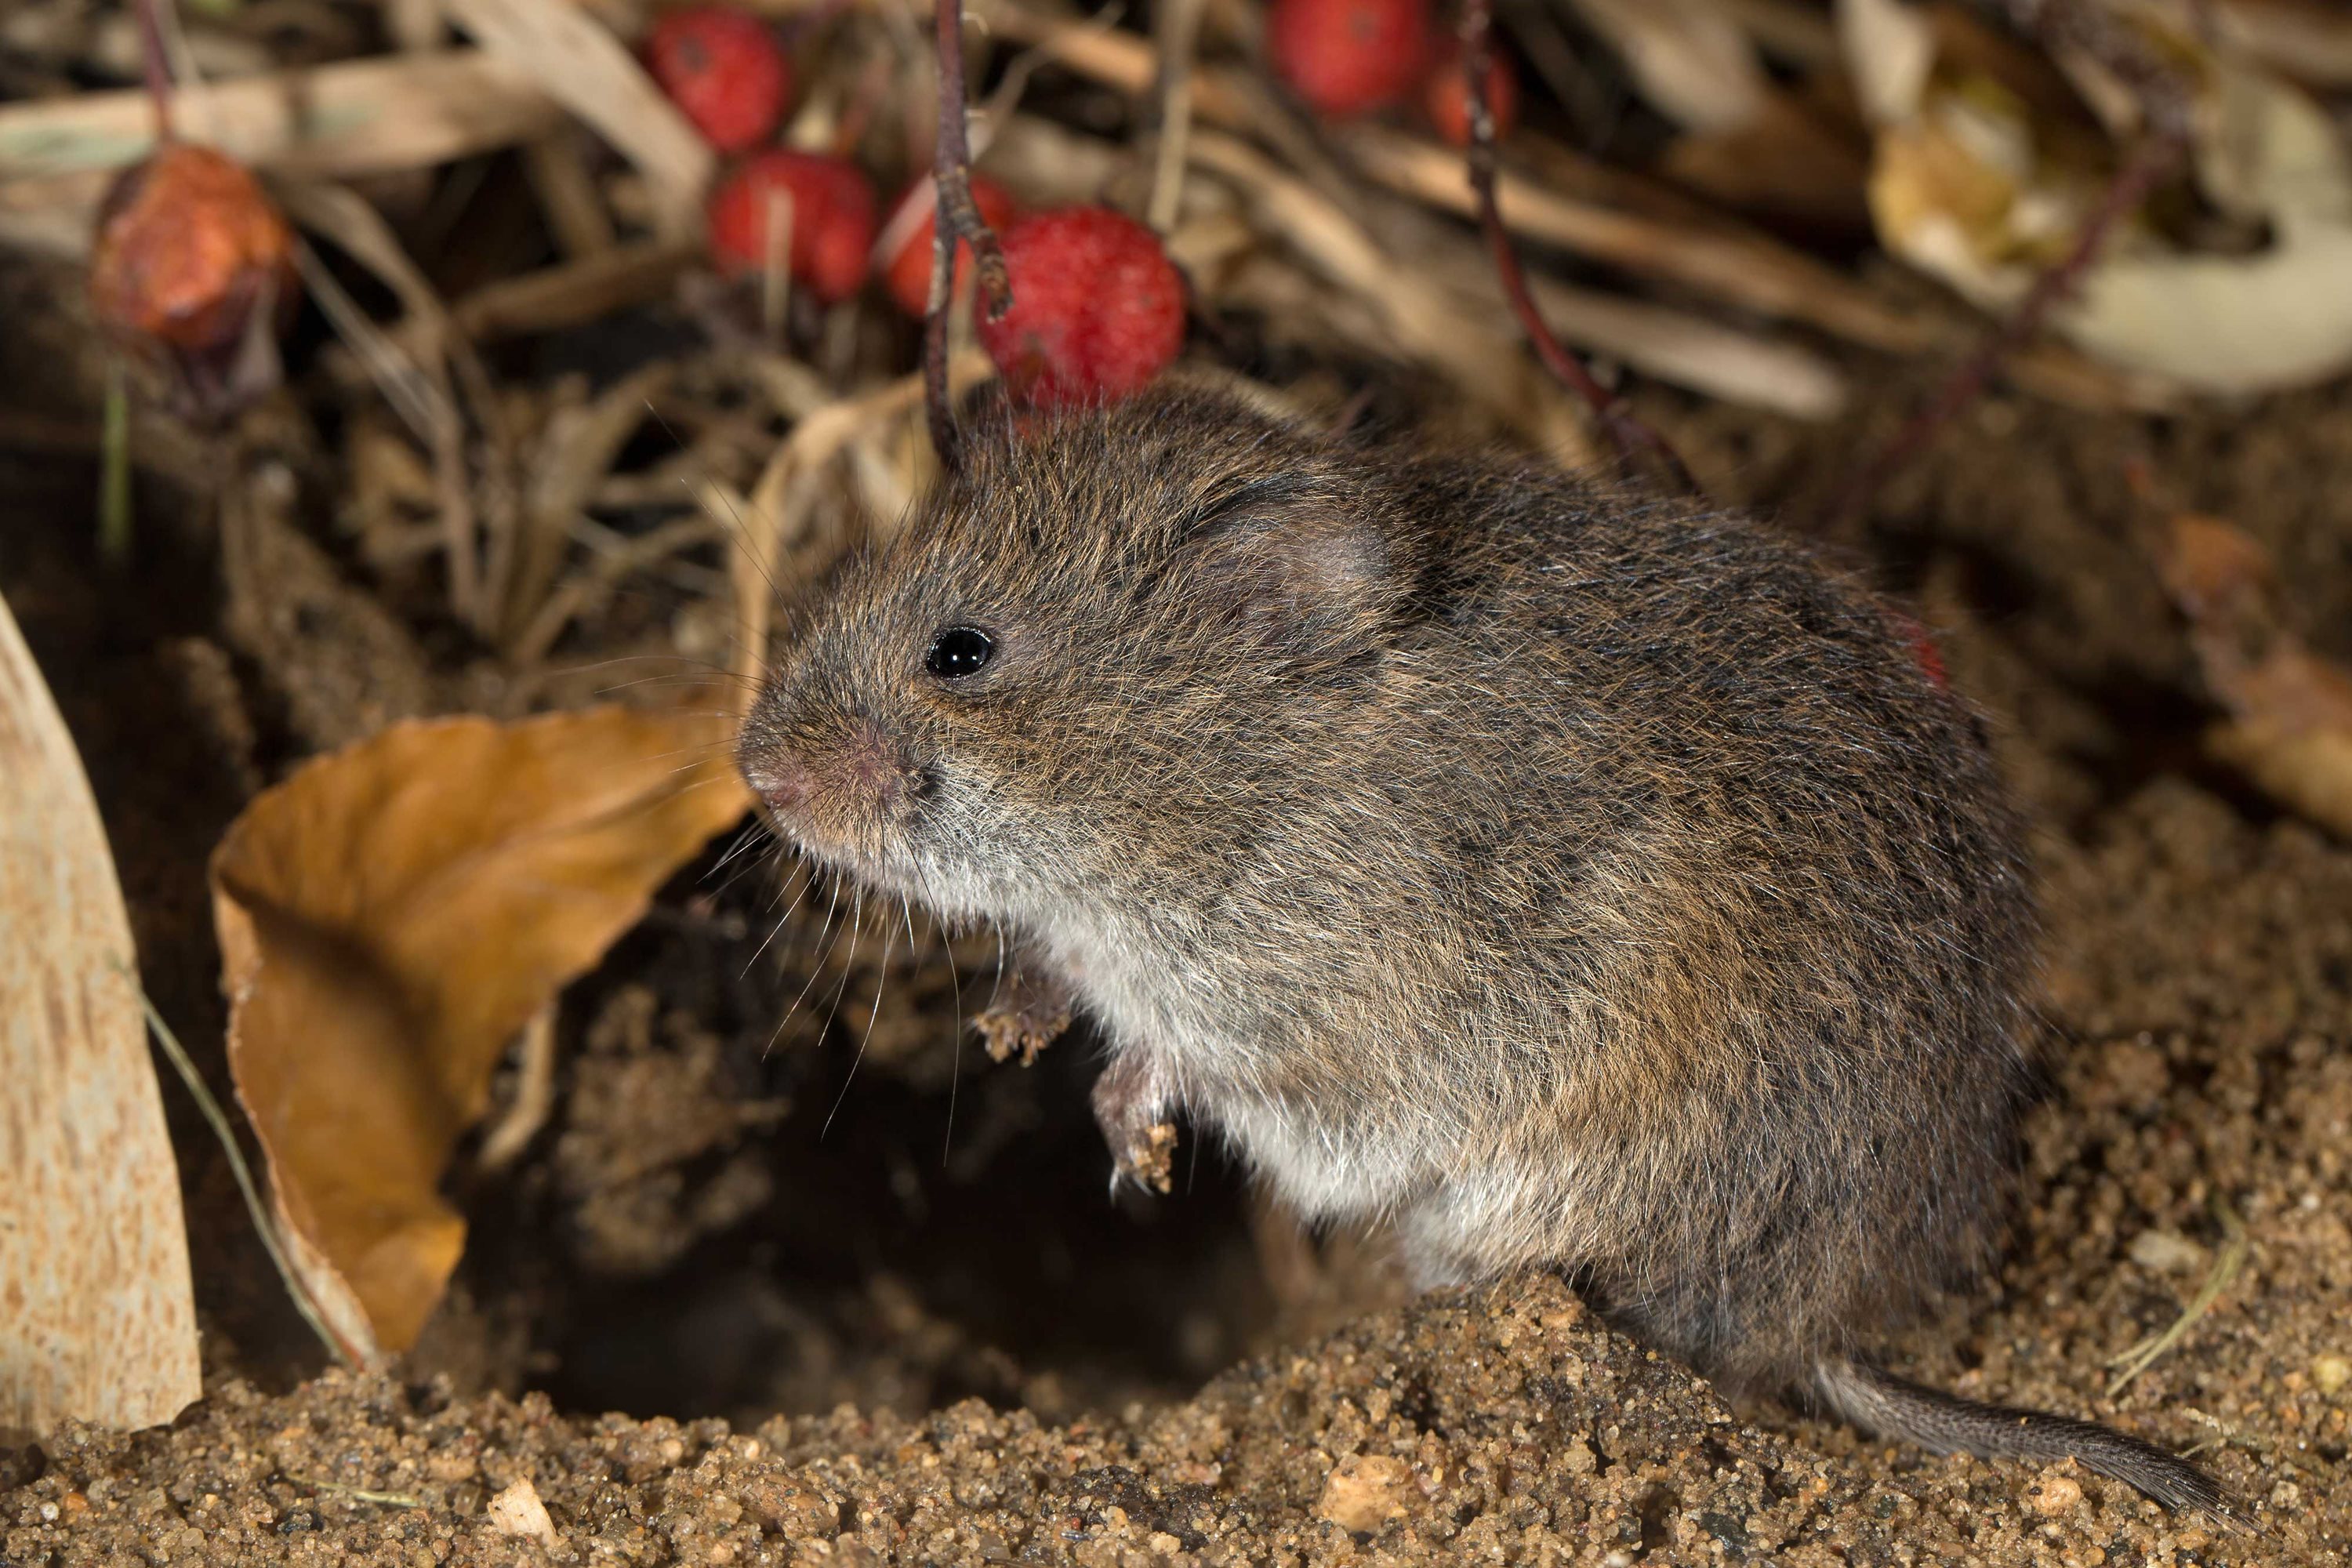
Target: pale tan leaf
[(389, 918), (2224, 324), (2276, 319), (97, 1322)]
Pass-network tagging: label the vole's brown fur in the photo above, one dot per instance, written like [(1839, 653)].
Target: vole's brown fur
[(1572, 883)]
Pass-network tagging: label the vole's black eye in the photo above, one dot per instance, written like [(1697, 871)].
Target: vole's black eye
[(959, 651)]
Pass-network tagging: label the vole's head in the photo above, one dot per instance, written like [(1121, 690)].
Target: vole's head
[(1099, 647)]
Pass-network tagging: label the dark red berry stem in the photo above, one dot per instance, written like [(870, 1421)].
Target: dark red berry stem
[(957, 217), (2150, 164), (156, 64), (1635, 441), (2165, 142)]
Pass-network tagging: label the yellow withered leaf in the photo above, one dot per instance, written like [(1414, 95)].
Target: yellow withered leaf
[(389, 917)]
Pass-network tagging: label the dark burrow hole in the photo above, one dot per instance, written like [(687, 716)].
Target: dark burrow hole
[(708, 1224)]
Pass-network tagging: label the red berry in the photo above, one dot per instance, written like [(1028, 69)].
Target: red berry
[(1930, 656), (1924, 651), (1445, 96), (1098, 308), (187, 248), (1349, 57), (831, 219), (725, 72), (908, 275)]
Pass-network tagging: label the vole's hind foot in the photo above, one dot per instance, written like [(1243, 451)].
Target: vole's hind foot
[(1127, 1107), (1032, 1015), (1942, 1423)]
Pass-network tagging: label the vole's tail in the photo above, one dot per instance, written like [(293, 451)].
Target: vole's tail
[(1943, 1423)]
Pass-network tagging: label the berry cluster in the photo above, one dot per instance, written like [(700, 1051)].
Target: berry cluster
[(1098, 308), (1346, 58)]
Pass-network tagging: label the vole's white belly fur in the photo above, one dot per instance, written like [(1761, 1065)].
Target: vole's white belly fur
[(1314, 1173), (1319, 1170)]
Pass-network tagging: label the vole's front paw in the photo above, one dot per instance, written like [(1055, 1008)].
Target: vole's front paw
[(1030, 1015), (1127, 1107)]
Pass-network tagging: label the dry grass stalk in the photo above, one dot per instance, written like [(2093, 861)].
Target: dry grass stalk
[(2311, 43), (574, 452), (569, 195), (391, 113), (2235, 1247), (1421, 323), (570, 294), (418, 385), (577, 61), (1755, 274), (1176, 25)]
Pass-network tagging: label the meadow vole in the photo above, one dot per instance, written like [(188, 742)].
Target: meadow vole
[(1568, 881)]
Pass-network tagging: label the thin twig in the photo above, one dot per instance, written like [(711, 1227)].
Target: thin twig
[(2150, 162), (956, 217), (534, 1095), (361, 1494), (2144, 1355), (115, 470), (1633, 440), (262, 1222), (1177, 23)]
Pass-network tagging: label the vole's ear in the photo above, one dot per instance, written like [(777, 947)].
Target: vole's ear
[(1293, 560)]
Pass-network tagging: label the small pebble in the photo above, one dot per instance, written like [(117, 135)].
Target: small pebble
[(2164, 1252), (1365, 1492), (518, 1512), (2054, 1494)]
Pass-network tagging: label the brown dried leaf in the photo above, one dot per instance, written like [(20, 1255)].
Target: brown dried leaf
[(2290, 728), (97, 1322), (389, 918)]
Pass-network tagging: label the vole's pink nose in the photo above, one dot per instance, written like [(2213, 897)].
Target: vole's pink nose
[(782, 781), (865, 773)]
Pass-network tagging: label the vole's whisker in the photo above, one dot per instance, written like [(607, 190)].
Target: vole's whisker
[(750, 835), (996, 987), (956, 1024), (873, 1017), (776, 925), (822, 948)]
